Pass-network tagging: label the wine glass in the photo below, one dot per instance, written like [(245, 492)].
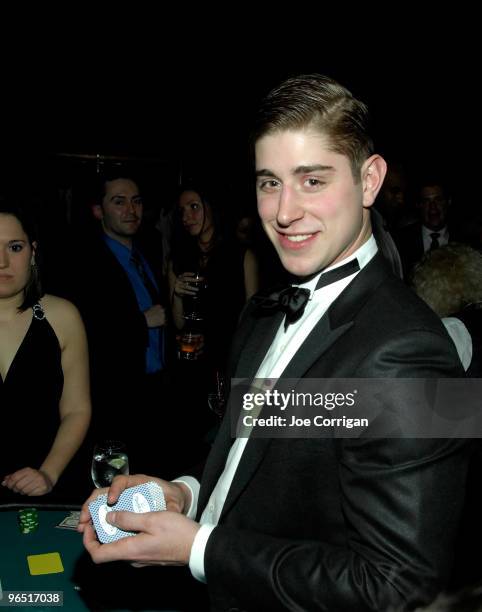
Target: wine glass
[(217, 398), (109, 460)]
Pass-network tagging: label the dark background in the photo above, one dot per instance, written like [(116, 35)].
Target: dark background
[(174, 103)]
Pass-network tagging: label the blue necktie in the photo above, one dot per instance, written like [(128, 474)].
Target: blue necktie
[(149, 285)]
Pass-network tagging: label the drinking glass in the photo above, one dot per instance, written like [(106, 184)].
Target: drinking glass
[(193, 304), (109, 460), (217, 398), (191, 343)]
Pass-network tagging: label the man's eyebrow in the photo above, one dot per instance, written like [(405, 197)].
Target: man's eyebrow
[(313, 168), (136, 196), (265, 172), (298, 170)]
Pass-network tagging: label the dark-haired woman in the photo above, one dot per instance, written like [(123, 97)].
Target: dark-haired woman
[(44, 380), (229, 273)]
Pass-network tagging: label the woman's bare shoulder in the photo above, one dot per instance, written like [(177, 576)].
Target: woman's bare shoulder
[(62, 315), (58, 306)]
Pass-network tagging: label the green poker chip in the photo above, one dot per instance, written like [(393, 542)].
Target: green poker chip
[(28, 520)]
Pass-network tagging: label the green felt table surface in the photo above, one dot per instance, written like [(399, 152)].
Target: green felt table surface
[(15, 547), (78, 573)]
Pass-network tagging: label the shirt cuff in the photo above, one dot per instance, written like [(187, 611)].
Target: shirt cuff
[(193, 485), (196, 559)]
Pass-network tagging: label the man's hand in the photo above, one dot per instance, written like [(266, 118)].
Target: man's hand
[(163, 538), (155, 316), (28, 481), (177, 496)]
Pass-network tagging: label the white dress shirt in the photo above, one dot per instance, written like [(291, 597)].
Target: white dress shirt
[(283, 348), (443, 237)]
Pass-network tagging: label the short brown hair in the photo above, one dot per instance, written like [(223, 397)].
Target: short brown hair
[(319, 102)]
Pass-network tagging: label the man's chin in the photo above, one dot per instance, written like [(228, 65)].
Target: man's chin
[(435, 224), (299, 268), (131, 231)]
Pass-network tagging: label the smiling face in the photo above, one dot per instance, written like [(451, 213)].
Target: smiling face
[(310, 205), (15, 257), (121, 210)]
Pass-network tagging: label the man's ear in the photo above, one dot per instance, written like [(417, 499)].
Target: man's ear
[(97, 211), (372, 174)]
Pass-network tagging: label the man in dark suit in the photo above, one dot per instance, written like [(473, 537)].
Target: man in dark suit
[(120, 298), (431, 231), (317, 524)]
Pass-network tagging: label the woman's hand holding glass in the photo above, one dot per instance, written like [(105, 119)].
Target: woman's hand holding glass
[(187, 284)]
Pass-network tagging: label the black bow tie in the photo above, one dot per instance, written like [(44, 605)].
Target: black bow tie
[(292, 300)]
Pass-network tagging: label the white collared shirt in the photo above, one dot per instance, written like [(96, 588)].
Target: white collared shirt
[(283, 348), (443, 237)]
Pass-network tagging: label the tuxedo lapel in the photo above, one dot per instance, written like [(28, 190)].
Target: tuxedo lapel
[(251, 353), (252, 456), (319, 341), (215, 462), (338, 319), (257, 344)]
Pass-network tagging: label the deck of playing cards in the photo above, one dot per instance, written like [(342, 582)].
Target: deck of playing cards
[(146, 497)]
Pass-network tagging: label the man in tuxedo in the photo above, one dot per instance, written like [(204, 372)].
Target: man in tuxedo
[(316, 524)]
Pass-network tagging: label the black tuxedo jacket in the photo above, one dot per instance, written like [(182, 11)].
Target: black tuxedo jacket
[(340, 524)]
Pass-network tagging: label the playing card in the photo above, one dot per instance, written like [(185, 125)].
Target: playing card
[(147, 497), (70, 521)]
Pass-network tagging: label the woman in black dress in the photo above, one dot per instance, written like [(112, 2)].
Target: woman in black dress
[(44, 379)]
